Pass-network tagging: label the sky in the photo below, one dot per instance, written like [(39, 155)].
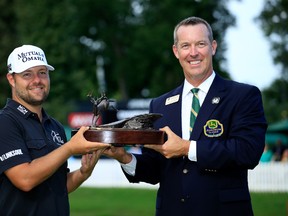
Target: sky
[(248, 51)]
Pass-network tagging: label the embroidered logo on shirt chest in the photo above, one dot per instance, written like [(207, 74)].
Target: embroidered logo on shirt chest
[(56, 137)]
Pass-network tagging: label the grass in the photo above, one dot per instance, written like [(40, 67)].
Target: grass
[(141, 202), (112, 202), (270, 204)]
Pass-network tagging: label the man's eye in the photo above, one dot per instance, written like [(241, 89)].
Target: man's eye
[(26, 75), (43, 74), (184, 46), (201, 44)]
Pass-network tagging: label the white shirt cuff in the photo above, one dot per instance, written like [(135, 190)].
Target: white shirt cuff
[(192, 151), (130, 168)]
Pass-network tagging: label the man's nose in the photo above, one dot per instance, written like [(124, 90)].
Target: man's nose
[(193, 50)]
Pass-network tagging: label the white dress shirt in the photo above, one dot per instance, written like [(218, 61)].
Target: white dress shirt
[(185, 112)]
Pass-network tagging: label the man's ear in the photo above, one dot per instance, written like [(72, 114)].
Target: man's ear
[(10, 78), (214, 47), (175, 51)]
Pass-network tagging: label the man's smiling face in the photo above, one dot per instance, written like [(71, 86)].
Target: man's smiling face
[(194, 52)]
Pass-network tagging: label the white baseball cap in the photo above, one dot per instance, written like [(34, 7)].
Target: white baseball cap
[(25, 57)]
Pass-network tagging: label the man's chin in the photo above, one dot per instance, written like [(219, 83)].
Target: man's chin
[(36, 103)]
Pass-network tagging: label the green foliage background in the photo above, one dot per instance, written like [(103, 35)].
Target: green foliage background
[(273, 20), (134, 37)]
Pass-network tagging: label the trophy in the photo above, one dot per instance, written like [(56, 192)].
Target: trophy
[(136, 130)]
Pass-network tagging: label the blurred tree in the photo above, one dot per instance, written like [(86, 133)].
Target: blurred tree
[(50, 25), (138, 38), (275, 101), (130, 39), (154, 65), (273, 20), (8, 37)]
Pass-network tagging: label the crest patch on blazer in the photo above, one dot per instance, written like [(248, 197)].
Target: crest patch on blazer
[(213, 128)]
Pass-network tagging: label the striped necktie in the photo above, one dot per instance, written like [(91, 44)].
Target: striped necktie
[(194, 108)]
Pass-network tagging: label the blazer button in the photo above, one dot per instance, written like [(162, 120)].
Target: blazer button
[(185, 171)]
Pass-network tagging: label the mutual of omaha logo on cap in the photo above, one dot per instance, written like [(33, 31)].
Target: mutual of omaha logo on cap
[(25, 57)]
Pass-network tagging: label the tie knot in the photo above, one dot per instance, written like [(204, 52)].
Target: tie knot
[(195, 90)]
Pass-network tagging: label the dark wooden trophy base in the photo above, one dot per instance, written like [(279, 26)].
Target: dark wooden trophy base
[(120, 136)]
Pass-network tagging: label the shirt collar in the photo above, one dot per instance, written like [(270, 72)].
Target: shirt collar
[(204, 87), (23, 111), (17, 107)]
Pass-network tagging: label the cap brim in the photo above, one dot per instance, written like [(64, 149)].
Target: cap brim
[(50, 68)]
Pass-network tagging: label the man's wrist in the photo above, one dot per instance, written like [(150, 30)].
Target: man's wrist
[(127, 158)]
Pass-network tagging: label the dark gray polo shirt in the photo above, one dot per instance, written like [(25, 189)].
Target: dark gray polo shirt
[(24, 138)]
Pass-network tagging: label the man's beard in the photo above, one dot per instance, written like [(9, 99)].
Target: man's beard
[(34, 102), (30, 100)]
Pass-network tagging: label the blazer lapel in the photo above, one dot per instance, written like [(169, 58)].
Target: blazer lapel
[(213, 98), (175, 112)]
